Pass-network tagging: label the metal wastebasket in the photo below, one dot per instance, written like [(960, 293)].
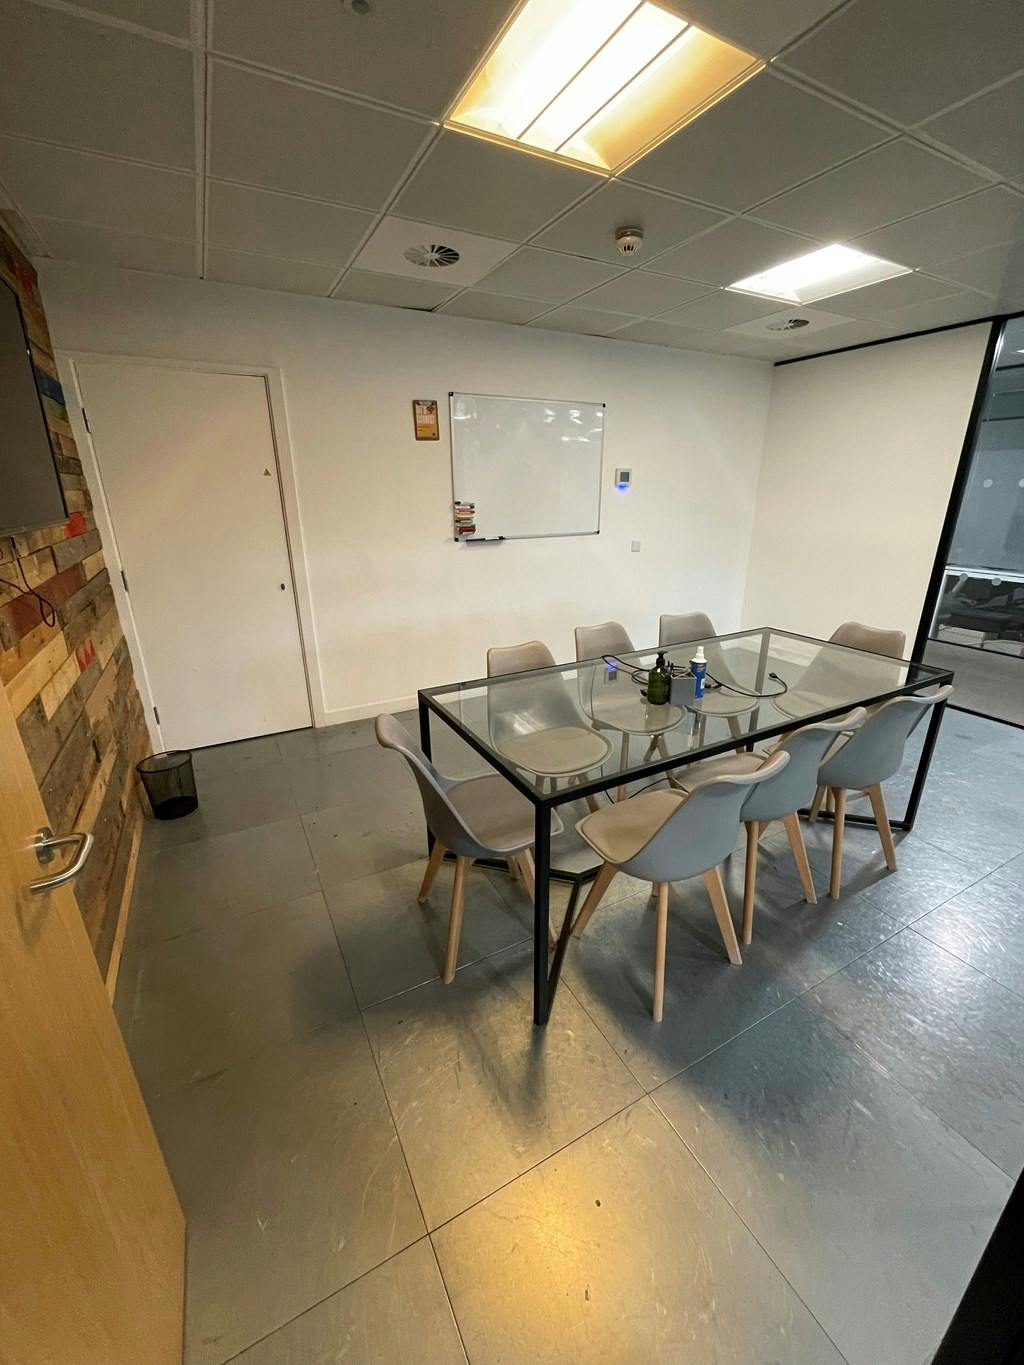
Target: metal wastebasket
[(170, 783)]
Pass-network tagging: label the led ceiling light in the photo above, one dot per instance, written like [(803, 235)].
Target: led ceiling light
[(597, 82), (820, 274)]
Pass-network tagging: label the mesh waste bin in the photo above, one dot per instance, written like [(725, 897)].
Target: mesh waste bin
[(170, 783)]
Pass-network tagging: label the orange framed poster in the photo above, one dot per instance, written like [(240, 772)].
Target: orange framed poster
[(424, 419)]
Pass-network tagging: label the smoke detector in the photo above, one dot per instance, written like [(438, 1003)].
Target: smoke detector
[(434, 256), (788, 325), (629, 240)]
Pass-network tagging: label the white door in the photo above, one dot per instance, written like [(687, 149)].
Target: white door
[(189, 471)]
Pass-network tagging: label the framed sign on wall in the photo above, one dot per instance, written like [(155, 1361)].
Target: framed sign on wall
[(424, 419)]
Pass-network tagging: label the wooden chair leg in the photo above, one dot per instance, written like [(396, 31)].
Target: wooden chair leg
[(749, 881), (620, 791), (528, 872), (433, 863), (513, 868), (838, 826), (720, 905), (660, 939), (736, 730), (595, 895), (451, 957), (819, 797), (884, 828), (830, 802), (796, 843)]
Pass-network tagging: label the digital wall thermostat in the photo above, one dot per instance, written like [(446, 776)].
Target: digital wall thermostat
[(623, 479)]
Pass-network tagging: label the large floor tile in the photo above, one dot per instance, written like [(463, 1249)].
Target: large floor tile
[(619, 1249), (196, 885), (292, 1181), (707, 1000), (238, 759), (872, 1208), (193, 1005), (949, 1034), (228, 801), (305, 746), (392, 943), (383, 829), (398, 1314), (478, 1093), (985, 926), (926, 876)]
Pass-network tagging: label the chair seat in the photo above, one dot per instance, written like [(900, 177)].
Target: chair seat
[(559, 752), (727, 766), (720, 702), (618, 832), (500, 818), (634, 716)]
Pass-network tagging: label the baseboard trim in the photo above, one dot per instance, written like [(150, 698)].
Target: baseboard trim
[(124, 910), (379, 708)]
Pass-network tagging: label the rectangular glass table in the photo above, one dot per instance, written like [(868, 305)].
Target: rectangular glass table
[(565, 733)]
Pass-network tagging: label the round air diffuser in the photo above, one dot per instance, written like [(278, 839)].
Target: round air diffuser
[(788, 325), (435, 256)]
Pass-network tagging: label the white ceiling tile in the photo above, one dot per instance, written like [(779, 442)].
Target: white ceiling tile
[(993, 217), (912, 58), (165, 16), (588, 321), (760, 140), (89, 85), (386, 250), (415, 55), (535, 274), (23, 232), (269, 272), (791, 325), (989, 129), (360, 286), (855, 333), (481, 186), (247, 219), (772, 351), (474, 303), (280, 136), (732, 252), (878, 300), (643, 293), (996, 271), (721, 310), (877, 188), (589, 229), (764, 28), (103, 191), (919, 317), (100, 246), (658, 333)]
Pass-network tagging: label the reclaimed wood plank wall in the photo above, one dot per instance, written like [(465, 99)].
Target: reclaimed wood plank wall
[(71, 684)]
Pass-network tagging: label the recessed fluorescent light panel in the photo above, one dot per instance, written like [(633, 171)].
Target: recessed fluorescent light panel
[(597, 82), (819, 275)]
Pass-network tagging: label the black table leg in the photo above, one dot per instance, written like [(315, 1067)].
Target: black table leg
[(542, 878), (424, 711), (923, 764)]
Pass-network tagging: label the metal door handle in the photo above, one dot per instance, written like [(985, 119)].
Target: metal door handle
[(45, 843)]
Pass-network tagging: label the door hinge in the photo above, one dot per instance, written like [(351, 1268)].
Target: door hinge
[(156, 713), (85, 419), (124, 580)]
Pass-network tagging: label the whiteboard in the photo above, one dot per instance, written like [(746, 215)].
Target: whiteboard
[(532, 466)]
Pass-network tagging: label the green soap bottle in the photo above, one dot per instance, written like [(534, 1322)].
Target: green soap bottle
[(659, 682)]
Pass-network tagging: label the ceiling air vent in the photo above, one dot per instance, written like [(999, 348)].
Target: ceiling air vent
[(433, 257), (788, 324)]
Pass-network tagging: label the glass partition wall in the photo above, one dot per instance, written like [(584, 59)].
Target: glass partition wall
[(977, 628)]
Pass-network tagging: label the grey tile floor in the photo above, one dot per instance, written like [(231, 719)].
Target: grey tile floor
[(799, 1166)]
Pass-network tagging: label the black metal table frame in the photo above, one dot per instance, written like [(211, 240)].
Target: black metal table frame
[(545, 979)]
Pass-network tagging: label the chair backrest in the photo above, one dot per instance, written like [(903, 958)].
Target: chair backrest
[(875, 751), (794, 786), (701, 832), (680, 630), (870, 638), (594, 642), (442, 818), (521, 707)]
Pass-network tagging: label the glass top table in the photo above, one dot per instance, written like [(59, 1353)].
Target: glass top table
[(569, 732)]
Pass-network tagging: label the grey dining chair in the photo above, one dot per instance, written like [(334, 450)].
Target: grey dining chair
[(474, 817), (665, 836), (535, 722), (864, 761), (872, 639), (693, 627), (779, 797), (625, 715)]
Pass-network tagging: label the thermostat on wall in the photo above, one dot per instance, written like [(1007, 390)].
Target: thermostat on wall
[(623, 478)]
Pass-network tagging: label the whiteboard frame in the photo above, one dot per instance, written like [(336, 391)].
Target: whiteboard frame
[(526, 398)]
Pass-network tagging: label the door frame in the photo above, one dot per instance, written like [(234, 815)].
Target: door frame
[(67, 364)]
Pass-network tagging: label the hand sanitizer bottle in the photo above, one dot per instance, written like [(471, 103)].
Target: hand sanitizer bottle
[(699, 668), (659, 681)]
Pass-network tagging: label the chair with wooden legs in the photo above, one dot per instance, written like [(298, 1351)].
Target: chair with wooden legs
[(871, 639), (620, 709), (693, 627), (780, 798), (534, 721), (864, 761), (665, 836), (475, 817)]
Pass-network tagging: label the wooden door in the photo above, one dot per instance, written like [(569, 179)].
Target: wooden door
[(92, 1241), (189, 471)]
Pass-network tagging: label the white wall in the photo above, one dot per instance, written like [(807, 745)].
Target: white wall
[(859, 458), (396, 604)]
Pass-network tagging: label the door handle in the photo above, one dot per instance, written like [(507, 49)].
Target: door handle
[(46, 843)]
